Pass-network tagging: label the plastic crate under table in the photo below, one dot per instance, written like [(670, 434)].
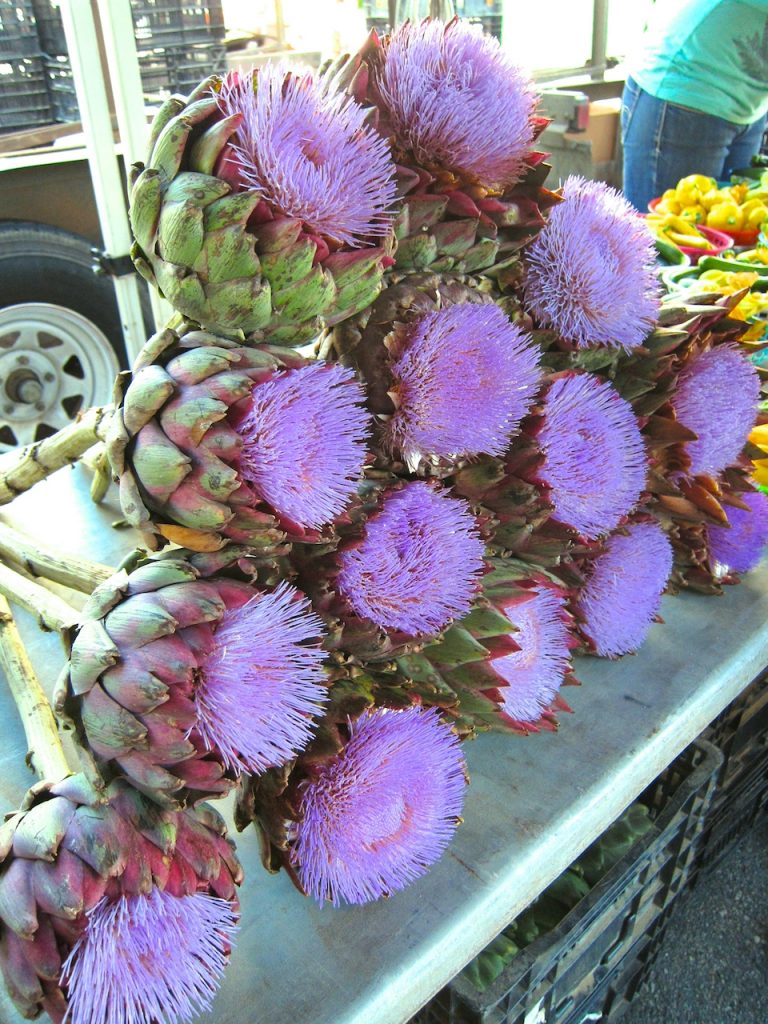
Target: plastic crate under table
[(741, 732), (730, 820), (553, 978)]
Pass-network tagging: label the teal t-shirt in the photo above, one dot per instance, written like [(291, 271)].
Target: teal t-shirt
[(712, 55)]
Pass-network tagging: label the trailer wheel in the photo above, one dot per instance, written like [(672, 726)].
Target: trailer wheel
[(60, 337)]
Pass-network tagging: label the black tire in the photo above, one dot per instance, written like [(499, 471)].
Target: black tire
[(39, 263)]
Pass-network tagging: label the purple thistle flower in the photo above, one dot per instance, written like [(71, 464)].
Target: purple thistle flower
[(716, 397), (311, 154), (536, 672), (304, 442), (260, 684), (418, 564), (624, 587), (594, 458), (464, 377), (590, 274), (740, 547), (144, 959), (378, 815), (456, 100)]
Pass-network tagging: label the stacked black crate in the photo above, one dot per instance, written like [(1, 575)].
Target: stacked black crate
[(741, 733), (24, 101), (377, 16), (486, 13), (178, 43)]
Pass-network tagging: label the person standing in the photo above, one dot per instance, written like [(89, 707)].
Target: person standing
[(696, 97)]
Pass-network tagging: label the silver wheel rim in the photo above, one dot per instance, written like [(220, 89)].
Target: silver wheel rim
[(53, 364)]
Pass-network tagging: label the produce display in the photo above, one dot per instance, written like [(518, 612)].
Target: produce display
[(675, 230), (421, 431), (757, 257), (750, 285), (697, 199)]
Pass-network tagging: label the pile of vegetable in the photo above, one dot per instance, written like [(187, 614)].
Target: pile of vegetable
[(558, 899), (674, 230), (697, 199)]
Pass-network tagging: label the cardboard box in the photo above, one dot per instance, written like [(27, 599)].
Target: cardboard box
[(603, 128)]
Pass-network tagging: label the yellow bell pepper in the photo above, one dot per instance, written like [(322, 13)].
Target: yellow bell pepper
[(725, 215), (700, 181), (688, 195), (755, 218), (694, 214), (709, 199)]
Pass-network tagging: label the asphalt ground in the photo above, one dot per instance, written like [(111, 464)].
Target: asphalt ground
[(712, 967)]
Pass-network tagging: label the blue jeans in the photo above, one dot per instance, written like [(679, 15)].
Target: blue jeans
[(664, 142)]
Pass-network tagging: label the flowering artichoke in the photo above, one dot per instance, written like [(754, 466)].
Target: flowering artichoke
[(216, 441), (590, 274), (503, 665), (740, 546), (179, 683), (364, 813), (447, 374), (578, 467), (716, 398), (714, 545), (531, 678), (460, 117), (623, 584), (675, 387), (112, 909), (594, 462), (409, 565), (263, 211)]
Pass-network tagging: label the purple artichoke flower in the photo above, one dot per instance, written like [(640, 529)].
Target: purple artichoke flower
[(536, 672), (463, 378), (622, 594), (456, 101), (590, 274), (378, 815), (418, 564), (716, 397), (260, 684), (594, 458), (311, 153), (113, 911), (148, 958), (740, 547), (304, 442)]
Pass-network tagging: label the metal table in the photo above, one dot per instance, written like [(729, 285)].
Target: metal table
[(533, 805)]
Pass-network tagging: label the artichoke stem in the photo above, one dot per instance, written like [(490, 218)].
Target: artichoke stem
[(46, 754), (21, 469), (52, 612), (97, 461), (26, 555)]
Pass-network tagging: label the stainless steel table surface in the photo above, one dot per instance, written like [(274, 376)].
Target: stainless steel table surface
[(533, 804)]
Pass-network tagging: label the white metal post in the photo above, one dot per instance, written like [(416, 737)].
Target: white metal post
[(125, 78), (83, 46)]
